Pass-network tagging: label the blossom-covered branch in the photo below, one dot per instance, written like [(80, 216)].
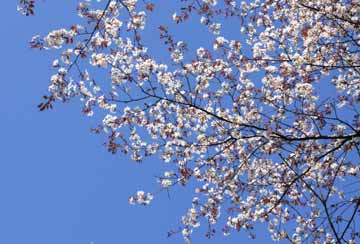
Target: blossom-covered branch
[(265, 122)]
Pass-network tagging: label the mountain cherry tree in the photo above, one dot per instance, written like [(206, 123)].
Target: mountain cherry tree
[(264, 120)]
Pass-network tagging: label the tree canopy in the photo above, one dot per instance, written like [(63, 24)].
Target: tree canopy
[(263, 118)]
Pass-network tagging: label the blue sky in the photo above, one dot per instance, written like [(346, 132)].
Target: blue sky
[(58, 184)]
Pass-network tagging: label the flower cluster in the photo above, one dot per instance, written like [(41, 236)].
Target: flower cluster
[(141, 198)]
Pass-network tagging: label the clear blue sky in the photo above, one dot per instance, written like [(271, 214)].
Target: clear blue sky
[(57, 182)]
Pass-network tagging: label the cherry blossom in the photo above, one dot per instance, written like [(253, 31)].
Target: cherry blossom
[(264, 121)]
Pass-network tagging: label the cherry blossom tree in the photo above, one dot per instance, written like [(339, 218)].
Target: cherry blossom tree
[(265, 122)]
